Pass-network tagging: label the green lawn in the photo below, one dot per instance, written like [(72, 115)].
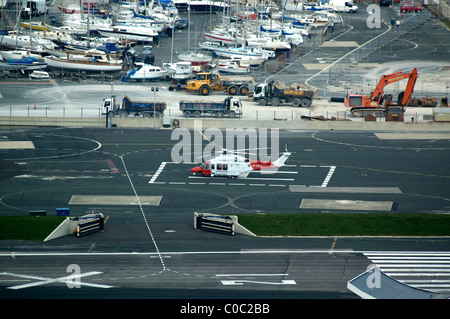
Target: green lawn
[(28, 227), (347, 224)]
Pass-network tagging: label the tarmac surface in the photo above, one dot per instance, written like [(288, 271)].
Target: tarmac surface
[(149, 248)]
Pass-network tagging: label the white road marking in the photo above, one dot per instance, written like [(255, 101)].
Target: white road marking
[(250, 275), (241, 282), (158, 171), (329, 175), (46, 280), (425, 270)]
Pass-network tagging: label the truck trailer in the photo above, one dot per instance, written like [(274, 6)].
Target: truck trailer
[(228, 107), (276, 93), (137, 108), (232, 84)]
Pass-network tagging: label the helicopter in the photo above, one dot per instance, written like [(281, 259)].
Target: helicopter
[(231, 164)]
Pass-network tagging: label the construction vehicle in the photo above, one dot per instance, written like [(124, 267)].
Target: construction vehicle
[(232, 84), (136, 108), (228, 107), (276, 93), (362, 105)]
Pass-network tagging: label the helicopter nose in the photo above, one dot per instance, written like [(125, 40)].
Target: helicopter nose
[(196, 170)]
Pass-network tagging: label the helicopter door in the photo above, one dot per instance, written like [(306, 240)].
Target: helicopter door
[(206, 170)]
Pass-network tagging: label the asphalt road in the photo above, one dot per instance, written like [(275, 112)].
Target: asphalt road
[(154, 252)]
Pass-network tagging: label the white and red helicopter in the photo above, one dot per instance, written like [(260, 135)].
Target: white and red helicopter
[(230, 164)]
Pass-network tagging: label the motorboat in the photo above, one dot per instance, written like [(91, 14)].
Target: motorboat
[(144, 72), (179, 70), (18, 54), (210, 45), (253, 61), (233, 67), (25, 41), (86, 21), (39, 75)]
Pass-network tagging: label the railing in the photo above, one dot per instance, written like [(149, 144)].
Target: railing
[(285, 113)]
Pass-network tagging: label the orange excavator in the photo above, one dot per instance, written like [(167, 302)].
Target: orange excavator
[(362, 105)]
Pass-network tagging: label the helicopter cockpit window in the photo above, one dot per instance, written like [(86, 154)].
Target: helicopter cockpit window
[(207, 166), (202, 166)]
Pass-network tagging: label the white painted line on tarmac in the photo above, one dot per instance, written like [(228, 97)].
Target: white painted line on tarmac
[(329, 175), (158, 171)]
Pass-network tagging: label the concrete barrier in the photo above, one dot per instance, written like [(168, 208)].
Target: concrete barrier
[(52, 121), (228, 123)]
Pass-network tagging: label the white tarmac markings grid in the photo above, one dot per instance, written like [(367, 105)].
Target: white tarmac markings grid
[(248, 181), (423, 270), (114, 200)]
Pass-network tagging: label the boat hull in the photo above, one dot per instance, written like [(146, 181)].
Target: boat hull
[(88, 66)]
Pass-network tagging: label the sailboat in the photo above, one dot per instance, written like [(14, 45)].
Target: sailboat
[(92, 60)]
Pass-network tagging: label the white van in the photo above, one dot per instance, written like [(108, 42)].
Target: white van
[(33, 8), (343, 6)]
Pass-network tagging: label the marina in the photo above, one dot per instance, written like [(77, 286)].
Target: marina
[(208, 32)]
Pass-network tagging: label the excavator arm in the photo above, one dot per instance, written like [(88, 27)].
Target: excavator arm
[(377, 94), (409, 87)]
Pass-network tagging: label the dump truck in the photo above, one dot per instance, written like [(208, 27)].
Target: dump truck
[(232, 84), (277, 93), (137, 108), (229, 107)]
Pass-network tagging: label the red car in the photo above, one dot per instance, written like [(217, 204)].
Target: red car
[(410, 8)]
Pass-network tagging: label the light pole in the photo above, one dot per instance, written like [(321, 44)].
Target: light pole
[(154, 90)]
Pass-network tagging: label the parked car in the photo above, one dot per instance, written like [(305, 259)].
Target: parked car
[(410, 8)]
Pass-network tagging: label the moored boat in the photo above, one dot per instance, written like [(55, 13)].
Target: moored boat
[(144, 72), (90, 61)]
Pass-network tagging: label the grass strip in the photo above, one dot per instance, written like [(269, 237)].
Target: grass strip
[(28, 227), (347, 224)]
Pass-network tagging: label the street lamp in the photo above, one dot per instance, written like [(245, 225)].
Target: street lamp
[(154, 90)]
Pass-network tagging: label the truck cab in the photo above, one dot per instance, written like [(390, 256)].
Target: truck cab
[(201, 84), (234, 105), (260, 91), (109, 105)]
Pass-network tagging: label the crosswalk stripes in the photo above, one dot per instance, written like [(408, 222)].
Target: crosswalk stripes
[(423, 270)]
